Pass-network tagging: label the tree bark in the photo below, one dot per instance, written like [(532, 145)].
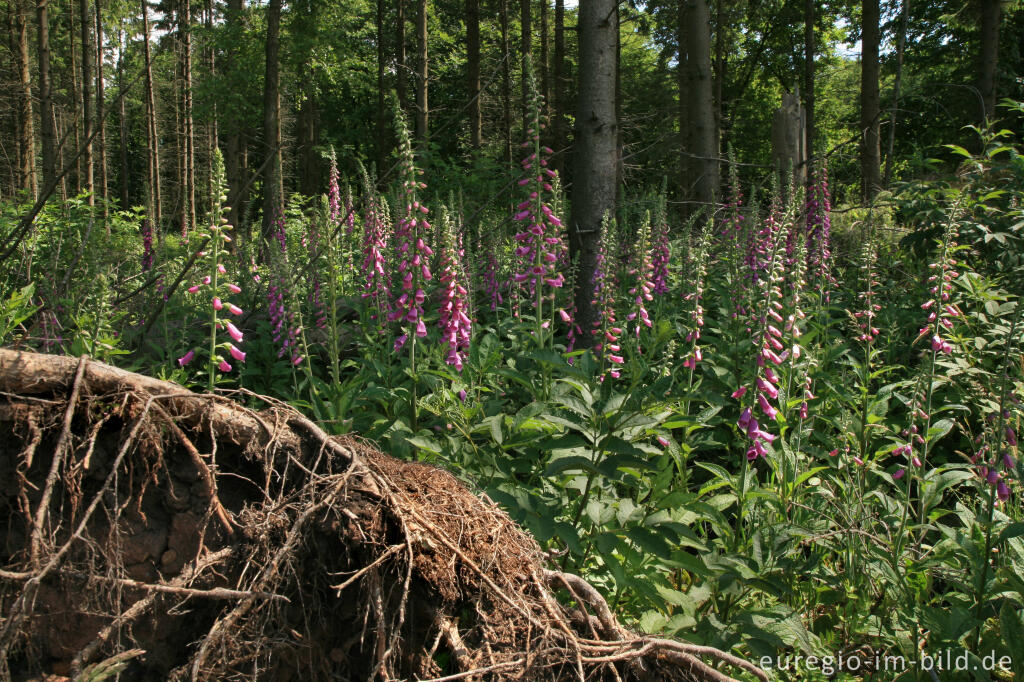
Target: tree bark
[(593, 189), (506, 83), (473, 73), (869, 101), (47, 123), (125, 177), (422, 73), (901, 43), (308, 168), (87, 120), (809, 50), (100, 118), (526, 53), (189, 147), (400, 66), (26, 133), (559, 101), (989, 54), (152, 138), (544, 75), (272, 201), (383, 136), (234, 147), (703, 146), (683, 83), (720, 72)]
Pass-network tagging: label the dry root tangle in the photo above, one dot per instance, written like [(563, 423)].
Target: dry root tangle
[(170, 535)]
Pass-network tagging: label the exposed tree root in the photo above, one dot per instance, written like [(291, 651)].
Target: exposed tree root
[(291, 555)]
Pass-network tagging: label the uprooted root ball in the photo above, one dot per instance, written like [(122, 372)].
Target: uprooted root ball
[(169, 535)]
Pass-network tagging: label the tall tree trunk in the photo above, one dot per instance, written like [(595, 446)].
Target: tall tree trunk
[(901, 44), (26, 137), (593, 189), (526, 53), (272, 200), (234, 147), (100, 118), (382, 119), (989, 54), (189, 147), (683, 82), (152, 138), (74, 97), (545, 84), (125, 184), (506, 84), (401, 68), (869, 102), (720, 72), (308, 175), (701, 105), (423, 73), (87, 120), (809, 49), (560, 99), (47, 123), (212, 125), (473, 72), (619, 171)]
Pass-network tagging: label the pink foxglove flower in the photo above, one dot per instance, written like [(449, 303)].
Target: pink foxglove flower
[(236, 353), (186, 358), (224, 366), (234, 333)]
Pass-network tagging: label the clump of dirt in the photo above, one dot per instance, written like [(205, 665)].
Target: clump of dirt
[(159, 534)]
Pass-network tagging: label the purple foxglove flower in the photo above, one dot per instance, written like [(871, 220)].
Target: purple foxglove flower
[(236, 353), (739, 392), (663, 441), (234, 309), (766, 407), (1002, 491), (1011, 436), (224, 366), (217, 304), (186, 358), (234, 333), (462, 395), (400, 341), (899, 474), (193, 289), (221, 269), (234, 288)]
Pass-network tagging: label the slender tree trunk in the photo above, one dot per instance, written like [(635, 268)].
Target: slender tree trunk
[(423, 73), (544, 76), (87, 120), (869, 102), (809, 49), (506, 83), (47, 123), (26, 141), (560, 99), (152, 137), (102, 159), (593, 189), (212, 125), (901, 44), (619, 170), (234, 168), (74, 97), (473, 72), (526, 52), (683, 81), (719, 76), (272, 201), (400, 65), (308, 175), (383, 136), (125, 184), (989, 54), (189, 147), (701, 105)]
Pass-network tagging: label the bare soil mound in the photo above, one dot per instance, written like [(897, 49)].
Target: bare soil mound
[(160, 534)]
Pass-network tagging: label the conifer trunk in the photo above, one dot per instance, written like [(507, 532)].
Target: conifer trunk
[(101, 161), (152, 138), (125, 177), (559, 100), (809, 49), (189, 146), (506, 84), (704, 166), (272, 201), (901, 43), (86, 90), (400, 58), (422, 73), (526, 53), (26, 137), (47, 123), (473, 72), (989, 54), (382, 127)]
